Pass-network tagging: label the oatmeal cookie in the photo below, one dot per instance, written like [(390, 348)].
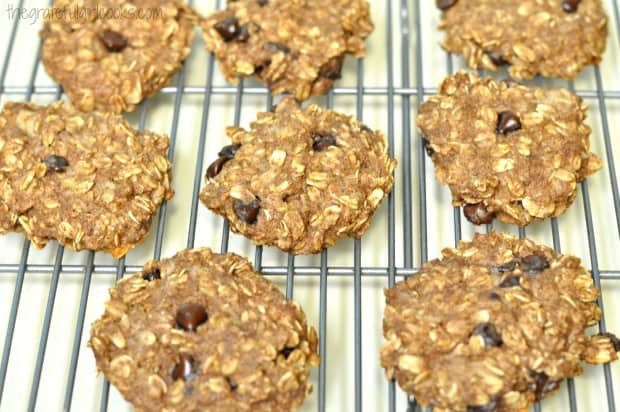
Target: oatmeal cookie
[(507, 150), (555, 38), (494, 325), (204, 332), (112, 54), (87, 180), (299, 179), (294, 46)]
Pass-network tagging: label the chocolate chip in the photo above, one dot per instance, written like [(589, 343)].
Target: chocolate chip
[(444, 4), (478, 214), (489, 407), (228, 28), (191, 315), (496, 58), (508, 267), (534, 264), (543, 385), (231, 382), (507, 122), (216, 167), (494, 296), (570, 6), (56, 163), (286, 352), (510, 281), (228, 152), (184, 369), (244, 34), (259, 69), (489, 334), (331, 70), (247, 211), (427, 146), (276, 47), (262, 2), (614, 340), (322, 141), (152, 275), (113, 41)]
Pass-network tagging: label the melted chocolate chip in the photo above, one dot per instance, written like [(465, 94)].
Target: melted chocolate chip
[(247, 211), (444, 4), (113, 41), (191, 315), (322, 141), (262, 2), (570, 6), (614, 340), (496, 58), (228, 28), (489, 407), (510, 281), (184, 369), (427, 146), (228, 152), (534, 264), (494, 296), (507, 122), (244, 34), (276, 47), (56, 163), (489, 334), (259, 69), (331, 70), (216, 167), (286, 352), (543, 385), (478, 214), (152, 275), (508, 267), (231, 382)]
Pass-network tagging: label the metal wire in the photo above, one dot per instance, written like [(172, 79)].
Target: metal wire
[(409, 17)]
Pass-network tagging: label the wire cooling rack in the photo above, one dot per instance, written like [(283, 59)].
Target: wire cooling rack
[(48, 298)]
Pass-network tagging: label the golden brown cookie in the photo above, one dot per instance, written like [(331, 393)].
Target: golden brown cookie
[(204, 332), (88, 180), (555, 38), (300, 179), (112, 54), (493, 325), (507, 150), (294, 46)]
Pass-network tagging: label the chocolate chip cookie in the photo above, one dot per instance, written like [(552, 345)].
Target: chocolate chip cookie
[(493, 325), (294, 46), (555, 38), (204, 332), (87, 180), (112, 54), (506, 150), (300, 179)]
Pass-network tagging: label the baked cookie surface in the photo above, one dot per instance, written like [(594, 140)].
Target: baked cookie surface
[(493, 325), (300, 179), (293, 46), (204, 332), (555, 38), (507, 150), (87, 180), (112, 54)]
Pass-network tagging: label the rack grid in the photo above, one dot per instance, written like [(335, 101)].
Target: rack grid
[(408, 214)]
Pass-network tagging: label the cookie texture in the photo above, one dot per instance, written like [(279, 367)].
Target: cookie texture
[(555, 38), (300, 179), (204, 332), (87, 180), (507, 150), (112, 54), (294, 46), (493, 325)]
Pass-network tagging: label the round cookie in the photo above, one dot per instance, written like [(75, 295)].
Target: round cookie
[(494, 325), (555, 38), (112, 54), (300, 179), (293, 46), (203, 331), (88, 180), (507, 150)]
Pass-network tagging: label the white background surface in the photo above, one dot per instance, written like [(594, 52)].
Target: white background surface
[(340, 337)]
